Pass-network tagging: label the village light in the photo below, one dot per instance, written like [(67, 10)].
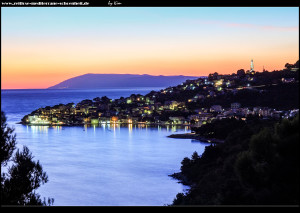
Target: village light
[(114, 119), (94, 121)]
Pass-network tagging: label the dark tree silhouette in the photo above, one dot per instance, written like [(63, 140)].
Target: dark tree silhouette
[(23, 175), (258, 164), (8, 141)]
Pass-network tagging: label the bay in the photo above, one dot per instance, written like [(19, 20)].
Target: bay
[(106, 165)]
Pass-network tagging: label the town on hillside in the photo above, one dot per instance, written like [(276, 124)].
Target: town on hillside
[(266, 95)]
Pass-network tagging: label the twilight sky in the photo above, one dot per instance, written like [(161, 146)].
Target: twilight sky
[(43, 46)]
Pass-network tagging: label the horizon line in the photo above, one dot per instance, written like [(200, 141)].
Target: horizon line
[(102, 74)]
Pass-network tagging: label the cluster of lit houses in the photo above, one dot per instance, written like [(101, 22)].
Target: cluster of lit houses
[(85, 114), (139, 109)]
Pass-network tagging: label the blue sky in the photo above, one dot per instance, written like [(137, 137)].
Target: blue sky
[(62, 42)]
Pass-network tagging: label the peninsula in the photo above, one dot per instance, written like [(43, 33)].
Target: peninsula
[(266, 95)]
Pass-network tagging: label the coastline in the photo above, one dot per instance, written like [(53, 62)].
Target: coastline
[(117, 123), (180, 136), (196, 137), (178, 175)]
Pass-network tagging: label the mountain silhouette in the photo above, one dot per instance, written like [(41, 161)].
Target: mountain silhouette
[(99, 81)]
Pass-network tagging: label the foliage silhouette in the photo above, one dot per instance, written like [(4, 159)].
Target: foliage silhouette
[(23, 175), (257, 164)]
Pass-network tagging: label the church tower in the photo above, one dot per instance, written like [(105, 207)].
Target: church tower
[(251, 66), (252, 72)]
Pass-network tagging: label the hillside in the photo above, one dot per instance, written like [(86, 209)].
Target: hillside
[(98, 81)]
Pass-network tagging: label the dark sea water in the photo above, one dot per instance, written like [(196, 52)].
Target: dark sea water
[(100, 165)]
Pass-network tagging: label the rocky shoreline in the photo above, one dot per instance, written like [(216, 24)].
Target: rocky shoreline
[(196, 137), (181, 178)]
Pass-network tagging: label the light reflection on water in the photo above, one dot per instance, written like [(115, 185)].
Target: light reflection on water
[(38, 129), (109, 127), (109, 164), (102, 164)]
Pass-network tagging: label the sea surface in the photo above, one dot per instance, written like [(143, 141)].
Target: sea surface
[(106, 165)]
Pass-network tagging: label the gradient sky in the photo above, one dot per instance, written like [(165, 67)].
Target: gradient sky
[(43, 46)]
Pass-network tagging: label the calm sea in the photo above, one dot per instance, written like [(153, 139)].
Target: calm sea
[(100, 165)]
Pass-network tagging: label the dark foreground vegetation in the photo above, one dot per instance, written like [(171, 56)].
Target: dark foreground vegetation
[(20, 175), (219, 129), (258, 164)]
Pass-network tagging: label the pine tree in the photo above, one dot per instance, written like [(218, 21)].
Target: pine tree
[(23, 175)]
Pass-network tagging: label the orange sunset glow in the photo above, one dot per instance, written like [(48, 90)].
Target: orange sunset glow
[(39, 52)]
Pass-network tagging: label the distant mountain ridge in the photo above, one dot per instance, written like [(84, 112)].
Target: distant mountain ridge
[(100, 81)]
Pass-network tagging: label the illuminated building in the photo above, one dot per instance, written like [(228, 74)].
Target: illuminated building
[(114, 119), (216, 108), (251, 66), (235, 105), (94, 121)]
